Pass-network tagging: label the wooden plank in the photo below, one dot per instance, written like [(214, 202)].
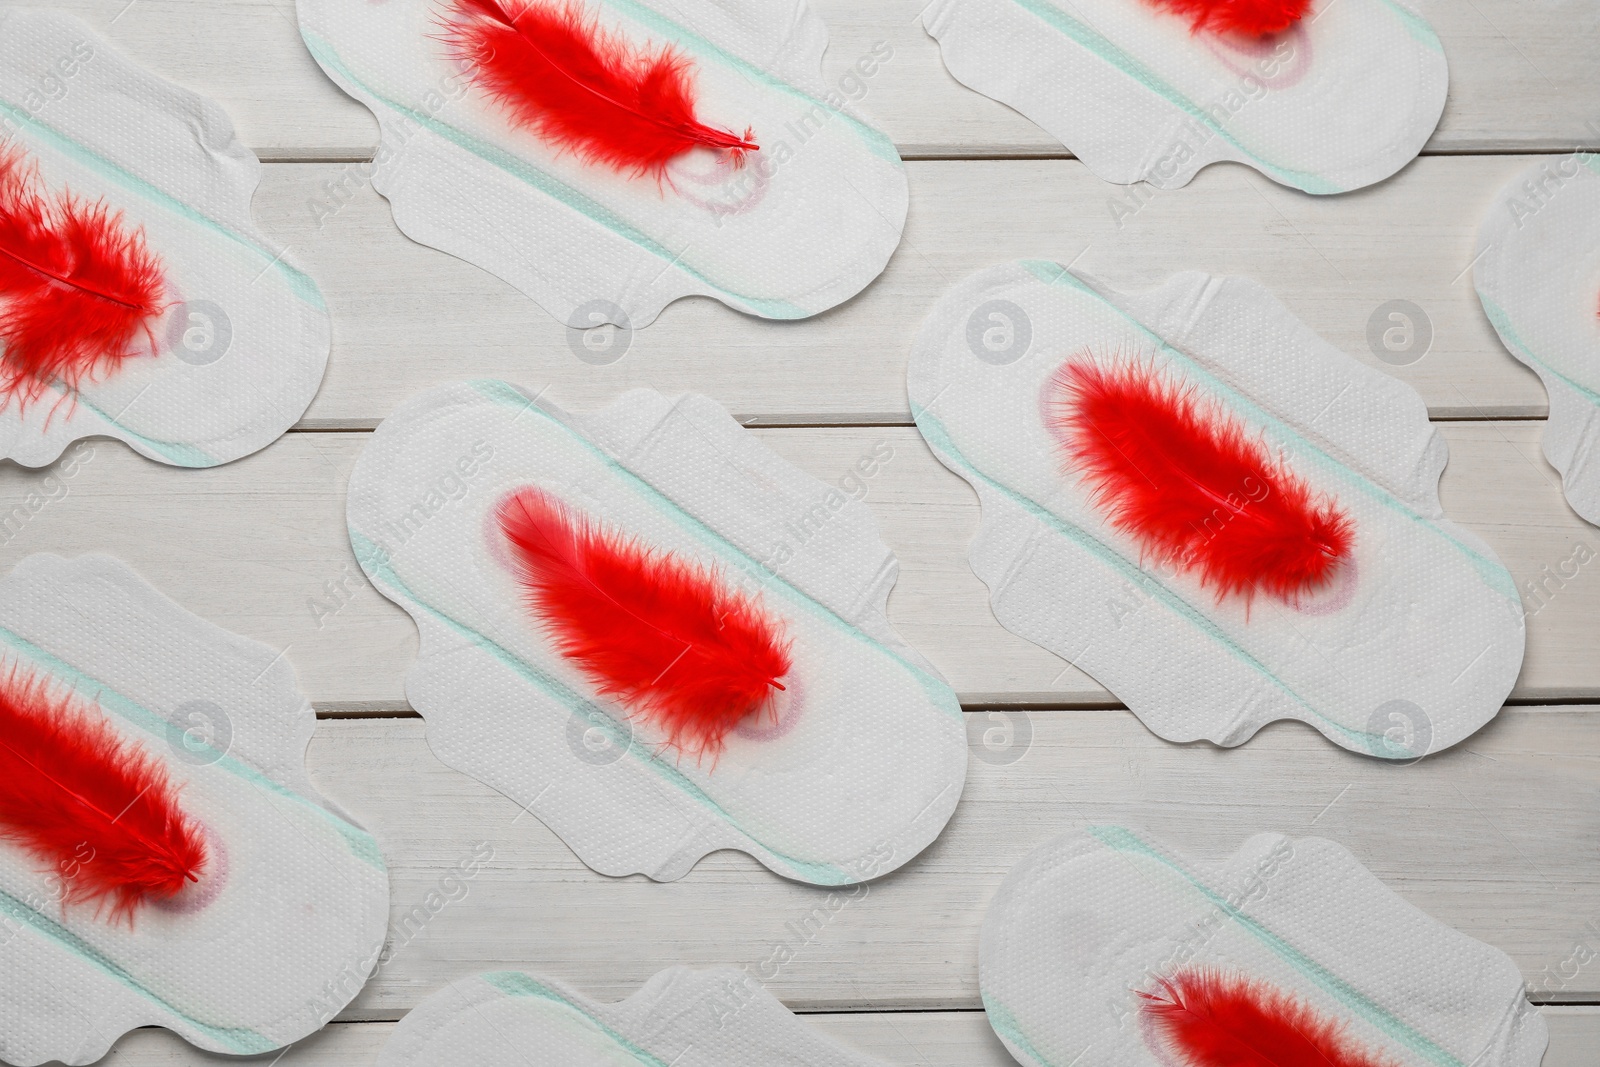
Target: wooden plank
[(259, 546), (1521, 76), (1574, 1036), (1499, 838), (407, 316), (914, 1039)]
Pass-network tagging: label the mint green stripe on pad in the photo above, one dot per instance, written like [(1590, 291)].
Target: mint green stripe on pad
[(1502, 325), (1096, 43), (1005, 1024), (1125, 841), (517, 984), (175, 452), (1415, 25), (236, 1040)]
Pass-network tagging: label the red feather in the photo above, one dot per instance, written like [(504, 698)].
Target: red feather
[(1253, 17), (1201, 1018), (77, 286), (1185, 480), (558, 74), (99, 810), (663, 635)]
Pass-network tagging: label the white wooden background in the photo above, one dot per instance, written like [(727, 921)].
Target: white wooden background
[(1500, 837)]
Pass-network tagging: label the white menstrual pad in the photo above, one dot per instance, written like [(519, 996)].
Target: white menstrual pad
[(680, 1017), (1090, 920), (1411, 647), (243, 342), (867, 754), (804, 225), (1538, 278), (1343, 98), (290, 913)]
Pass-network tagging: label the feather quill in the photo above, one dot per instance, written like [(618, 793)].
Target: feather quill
[(665, 637), (581, 88), (1201, 1018), (78, 287), (100, 811), (1251, 17), (1184, 479)]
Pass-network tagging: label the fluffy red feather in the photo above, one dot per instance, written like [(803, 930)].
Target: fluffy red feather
[(1185, 479), (664, 636), (1252, 17), (1201, 1018), (581, 88), (100, 811), (77, 286)]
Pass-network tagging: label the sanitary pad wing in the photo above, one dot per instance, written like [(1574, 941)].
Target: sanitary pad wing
[(287, 913), (1538, 277), (1345, 97), (802, 225), (1107, 947), (230, 340), (710, 1018), (1407, 645), (850, 770)]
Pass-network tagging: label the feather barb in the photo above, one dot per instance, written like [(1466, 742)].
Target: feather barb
[(1254, 18), (583, 89), (1184, 478), (78, 287), (662, 635), (1203, 1018), (98, 810)]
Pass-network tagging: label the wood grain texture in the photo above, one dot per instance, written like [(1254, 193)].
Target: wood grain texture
[(1521, 76), (905, 1039), (1499, 838), (259, 547), (407, 316)]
